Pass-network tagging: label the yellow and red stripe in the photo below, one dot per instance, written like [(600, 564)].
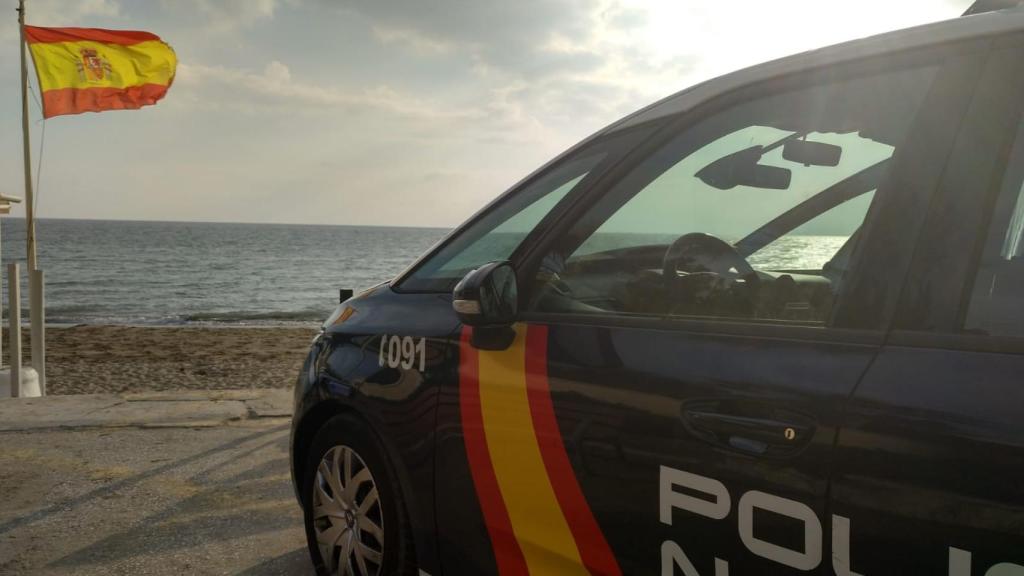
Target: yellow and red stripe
[(536, 514), (92, 70)]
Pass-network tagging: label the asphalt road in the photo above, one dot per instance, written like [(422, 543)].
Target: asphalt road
[(131, 499)]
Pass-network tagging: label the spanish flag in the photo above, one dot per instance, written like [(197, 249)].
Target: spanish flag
[(92, 70)]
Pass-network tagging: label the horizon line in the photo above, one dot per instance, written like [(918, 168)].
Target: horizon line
[(144, 220)]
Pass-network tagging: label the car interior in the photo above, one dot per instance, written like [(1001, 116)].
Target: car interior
[(701, 274)]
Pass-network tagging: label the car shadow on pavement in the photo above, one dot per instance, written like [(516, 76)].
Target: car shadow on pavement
[(238, 498), (294, 562), (228, 509), (120, 485)]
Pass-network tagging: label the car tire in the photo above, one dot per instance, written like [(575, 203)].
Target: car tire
[(366, 528)]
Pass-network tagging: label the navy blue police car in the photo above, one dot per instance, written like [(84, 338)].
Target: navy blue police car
[(773, 324)]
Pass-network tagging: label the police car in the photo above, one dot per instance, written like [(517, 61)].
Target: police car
[(773, 324)]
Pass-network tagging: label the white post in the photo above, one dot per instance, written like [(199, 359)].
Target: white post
[(14, 302), (38, 314), (1, 314)]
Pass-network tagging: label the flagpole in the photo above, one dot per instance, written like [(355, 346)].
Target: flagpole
[(30, 221), (34, 277)]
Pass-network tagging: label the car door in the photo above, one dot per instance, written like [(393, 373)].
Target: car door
[(930, 456), (669, 402), (494, 234)]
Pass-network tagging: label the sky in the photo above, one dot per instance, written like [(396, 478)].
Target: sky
[(384, 112)]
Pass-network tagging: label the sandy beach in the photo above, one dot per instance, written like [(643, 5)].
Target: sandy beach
[(97, 359)]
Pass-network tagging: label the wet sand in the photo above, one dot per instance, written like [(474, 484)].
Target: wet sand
[(115, 359)]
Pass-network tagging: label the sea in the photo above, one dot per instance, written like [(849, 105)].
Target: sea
[(175, 273), (187, 273)]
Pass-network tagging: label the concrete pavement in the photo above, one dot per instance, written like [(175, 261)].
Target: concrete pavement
[(168, 483)]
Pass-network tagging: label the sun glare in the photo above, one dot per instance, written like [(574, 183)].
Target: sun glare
[(750, 32)]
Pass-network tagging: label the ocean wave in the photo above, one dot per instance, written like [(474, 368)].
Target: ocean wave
[(82, 315), (241, 316)]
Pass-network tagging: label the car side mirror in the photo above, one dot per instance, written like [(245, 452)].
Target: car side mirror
[(487, 296), (488, 300)]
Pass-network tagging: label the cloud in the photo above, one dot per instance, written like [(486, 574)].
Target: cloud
[(275, 88), (498, 34), (65, 13), (221, 16), (625, 17), (237, 12), (652, 45), (413, 40), (60, 13), (576, 63)]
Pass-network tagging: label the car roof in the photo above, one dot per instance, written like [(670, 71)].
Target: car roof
[(980, 6), (943, 32)]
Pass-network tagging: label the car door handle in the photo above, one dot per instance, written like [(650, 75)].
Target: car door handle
[(763, 436)]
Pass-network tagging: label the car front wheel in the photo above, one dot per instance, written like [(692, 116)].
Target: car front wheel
[(354, 516)]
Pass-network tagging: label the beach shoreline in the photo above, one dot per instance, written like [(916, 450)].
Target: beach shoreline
[(107, 358)]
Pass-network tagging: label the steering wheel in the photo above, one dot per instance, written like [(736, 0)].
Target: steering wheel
[(697, 253)]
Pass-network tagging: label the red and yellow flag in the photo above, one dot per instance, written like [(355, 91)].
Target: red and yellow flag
[(92, 70)]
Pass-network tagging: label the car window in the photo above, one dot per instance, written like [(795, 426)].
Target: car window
[(497, 234), (752, 212), (997, 299), (814, 244)]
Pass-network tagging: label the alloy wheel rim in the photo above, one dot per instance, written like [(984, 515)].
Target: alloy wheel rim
[(347, 515)]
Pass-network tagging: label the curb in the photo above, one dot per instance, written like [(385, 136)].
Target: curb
[(183, 409)]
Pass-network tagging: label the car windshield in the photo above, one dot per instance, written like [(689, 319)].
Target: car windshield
[(500, 230)]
